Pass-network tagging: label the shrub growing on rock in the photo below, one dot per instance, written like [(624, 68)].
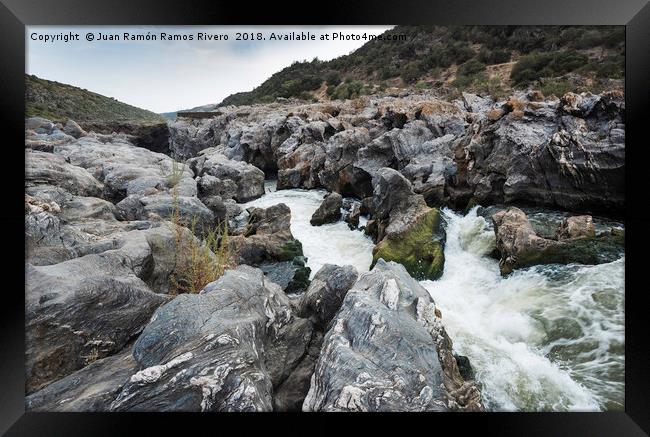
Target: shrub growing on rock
[(198, 262)]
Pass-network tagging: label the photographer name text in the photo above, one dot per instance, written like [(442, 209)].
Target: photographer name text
[(67, 37)]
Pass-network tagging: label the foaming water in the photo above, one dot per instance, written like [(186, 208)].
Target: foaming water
[(333, 243), (544, 338)]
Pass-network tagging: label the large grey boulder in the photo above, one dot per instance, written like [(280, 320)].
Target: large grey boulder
[(266, 237), (89, 307), (43, 168), (339, 173), (387, 350), (326, 292), (72, 227), (190, 210), (565, 154), (407, 231), (244, 181), (221, 350), (300, 165), (127, 170)]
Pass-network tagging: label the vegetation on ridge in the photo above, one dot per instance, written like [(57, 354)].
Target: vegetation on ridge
[(484, 59), (58, 101)]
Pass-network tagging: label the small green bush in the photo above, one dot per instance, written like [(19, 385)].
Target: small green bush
[(534, 66), (412, 72), (175, 175)]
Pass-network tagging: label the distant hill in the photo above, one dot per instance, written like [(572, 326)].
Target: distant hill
[(59, 101), (483, 59)]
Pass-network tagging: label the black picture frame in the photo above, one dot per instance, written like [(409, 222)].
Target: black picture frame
[(16, 14)]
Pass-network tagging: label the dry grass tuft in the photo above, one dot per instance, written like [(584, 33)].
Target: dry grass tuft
[(198, 262)]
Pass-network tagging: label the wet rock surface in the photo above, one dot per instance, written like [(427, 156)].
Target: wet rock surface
[(329, 211), (407, 230), (520, 246)]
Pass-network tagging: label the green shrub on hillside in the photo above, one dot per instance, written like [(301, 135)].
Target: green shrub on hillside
[(537, 65), (58, 101), (547, 51)]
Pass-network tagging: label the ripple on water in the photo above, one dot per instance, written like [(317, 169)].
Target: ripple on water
[(544, 338)]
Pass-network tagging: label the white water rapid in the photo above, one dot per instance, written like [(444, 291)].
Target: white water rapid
[(333, 243), (544, 338)]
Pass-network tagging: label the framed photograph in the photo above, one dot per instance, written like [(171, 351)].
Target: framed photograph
[(230, 208)]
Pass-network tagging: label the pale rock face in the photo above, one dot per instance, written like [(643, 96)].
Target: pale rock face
[(559, 153)]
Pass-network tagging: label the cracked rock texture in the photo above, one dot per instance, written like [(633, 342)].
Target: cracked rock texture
[(224, 349), (387, 350)]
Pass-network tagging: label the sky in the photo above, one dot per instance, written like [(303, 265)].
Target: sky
[(165, 76)]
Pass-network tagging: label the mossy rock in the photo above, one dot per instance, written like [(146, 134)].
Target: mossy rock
[(420, 249), (290, 250), (300, 281), (584, 250)]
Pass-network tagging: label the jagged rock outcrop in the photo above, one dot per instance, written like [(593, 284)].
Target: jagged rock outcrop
[(567, 153), (267, 242), (407, 230), (326, 292), (267, 237), (224, 349), (96, 271), (388, 351), (520, 246), (329, 210), (233, 179)]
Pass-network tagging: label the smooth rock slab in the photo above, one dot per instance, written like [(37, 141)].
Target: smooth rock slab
[(90, 389), (42, 168), (86, 308), (221, 350)]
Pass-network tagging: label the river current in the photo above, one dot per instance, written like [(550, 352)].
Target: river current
[(546, 338)]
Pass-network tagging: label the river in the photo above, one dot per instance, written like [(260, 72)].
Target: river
[(546, 338)]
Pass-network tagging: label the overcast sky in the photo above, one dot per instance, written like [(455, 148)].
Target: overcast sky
[(165, 76)]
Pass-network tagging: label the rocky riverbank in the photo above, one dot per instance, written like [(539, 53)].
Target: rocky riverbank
[(566, 153), (105, 331), (109, 222)]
